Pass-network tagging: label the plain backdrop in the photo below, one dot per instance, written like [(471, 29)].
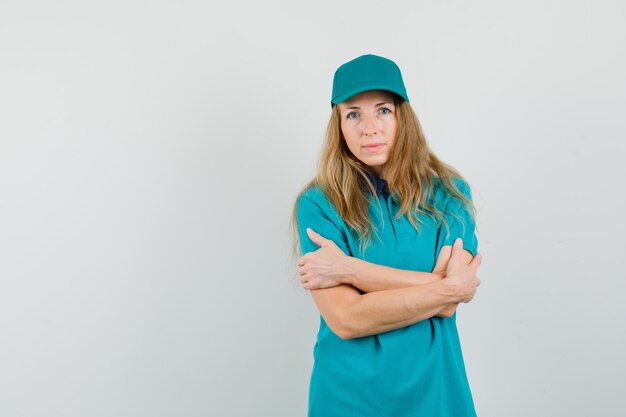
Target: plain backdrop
[(151, 152)]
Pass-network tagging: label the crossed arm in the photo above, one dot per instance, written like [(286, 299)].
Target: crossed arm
[(395, 298), (371, 277)]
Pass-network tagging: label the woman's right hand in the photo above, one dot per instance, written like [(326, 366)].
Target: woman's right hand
[(461, 278), (324, 268)]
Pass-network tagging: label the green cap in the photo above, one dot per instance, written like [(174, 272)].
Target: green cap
[(367, 72)]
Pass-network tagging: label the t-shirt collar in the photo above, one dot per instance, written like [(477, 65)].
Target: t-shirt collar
[(379, 183)]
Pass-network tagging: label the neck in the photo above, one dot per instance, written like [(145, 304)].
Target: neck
[(378, 172)]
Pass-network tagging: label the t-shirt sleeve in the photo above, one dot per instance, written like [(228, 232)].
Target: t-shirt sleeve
[(461, 224), (311, 214)]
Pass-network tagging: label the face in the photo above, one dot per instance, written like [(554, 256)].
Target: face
[(369, 124)]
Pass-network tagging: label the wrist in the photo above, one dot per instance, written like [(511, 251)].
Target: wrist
[(350, 270), (439, 274), (449, 291)]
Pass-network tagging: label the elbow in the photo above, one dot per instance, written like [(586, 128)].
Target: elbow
[(448, 311), (344, 326), (346, 333)]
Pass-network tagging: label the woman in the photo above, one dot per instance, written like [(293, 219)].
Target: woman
[(382, 211)]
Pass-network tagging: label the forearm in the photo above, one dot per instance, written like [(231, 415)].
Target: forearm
[(386, 310), (371, 277)]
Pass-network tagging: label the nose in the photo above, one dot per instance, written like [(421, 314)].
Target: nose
[(369, 124)]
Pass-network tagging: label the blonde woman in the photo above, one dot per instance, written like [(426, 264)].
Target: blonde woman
[(386, 234)]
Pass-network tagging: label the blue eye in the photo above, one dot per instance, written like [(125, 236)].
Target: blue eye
[(352, 115), (385, 110)]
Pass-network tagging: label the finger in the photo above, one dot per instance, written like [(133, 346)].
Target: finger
[(301, 261), (301, 271), (475, 263), (317, 238), (457, 248), (443, 258), (311, 284), (314, 236)]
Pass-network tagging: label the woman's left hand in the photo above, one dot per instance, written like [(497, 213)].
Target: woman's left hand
[(324, 268)]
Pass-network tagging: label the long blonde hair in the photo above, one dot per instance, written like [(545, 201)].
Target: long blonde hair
[(410, 173)]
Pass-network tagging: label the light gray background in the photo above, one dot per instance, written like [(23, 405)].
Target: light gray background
[(150, 153)]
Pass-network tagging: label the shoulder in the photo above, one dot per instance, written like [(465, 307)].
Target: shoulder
[(314, 193), (459, 183), (314, 198), (462, 185), (444, 199), (315, 210)]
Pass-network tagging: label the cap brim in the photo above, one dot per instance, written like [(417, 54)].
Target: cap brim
[(345, 96)]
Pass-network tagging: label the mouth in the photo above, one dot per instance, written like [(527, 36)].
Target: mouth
[(373, 147)]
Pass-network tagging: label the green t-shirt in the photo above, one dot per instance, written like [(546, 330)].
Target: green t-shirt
[(412, 371)]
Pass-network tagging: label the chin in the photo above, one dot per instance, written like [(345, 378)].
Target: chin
[(374, 162)]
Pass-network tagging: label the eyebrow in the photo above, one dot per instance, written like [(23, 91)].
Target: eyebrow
[(377, 105)]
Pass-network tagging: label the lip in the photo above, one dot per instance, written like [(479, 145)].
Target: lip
[(373, 147)]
